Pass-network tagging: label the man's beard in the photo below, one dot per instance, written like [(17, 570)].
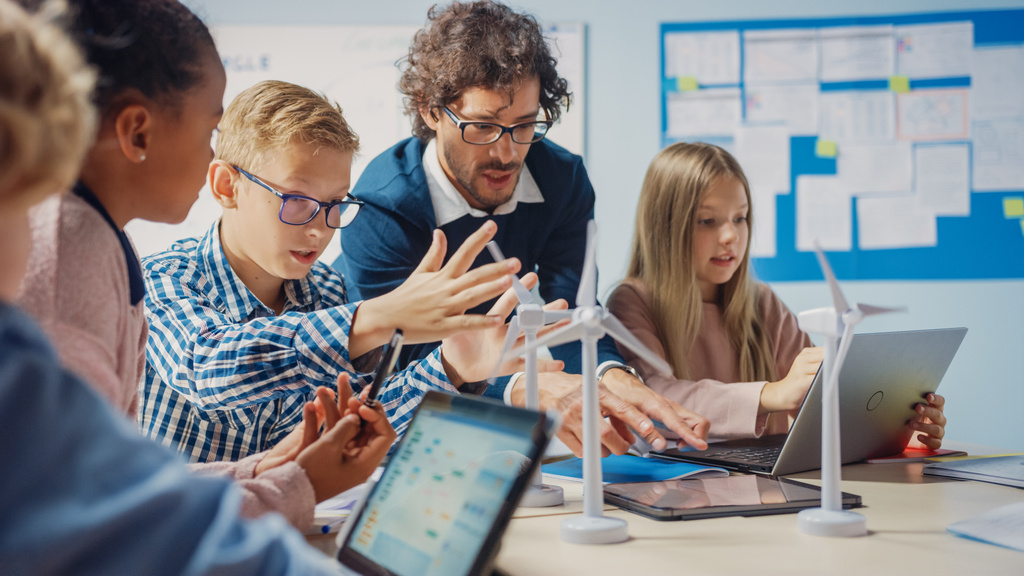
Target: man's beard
[(464, 176)]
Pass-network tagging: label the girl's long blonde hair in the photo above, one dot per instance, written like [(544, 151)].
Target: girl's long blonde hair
[(662, 259)]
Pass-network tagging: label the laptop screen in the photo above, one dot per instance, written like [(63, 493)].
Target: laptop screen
[(449, 489)]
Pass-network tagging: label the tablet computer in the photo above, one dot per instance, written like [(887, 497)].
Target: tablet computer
[(449, 490), (696, 498)]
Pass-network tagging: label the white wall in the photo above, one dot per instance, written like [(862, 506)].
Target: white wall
[(985, 384)]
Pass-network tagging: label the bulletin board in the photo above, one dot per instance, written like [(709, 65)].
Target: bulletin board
[(895, 141)]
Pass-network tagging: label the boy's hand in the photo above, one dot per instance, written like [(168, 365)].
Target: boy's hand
[(471, 356), (431, 304)]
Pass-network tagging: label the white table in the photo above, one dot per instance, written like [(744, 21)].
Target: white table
[(907, 514)]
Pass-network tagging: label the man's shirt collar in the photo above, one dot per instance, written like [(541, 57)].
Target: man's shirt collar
[(449, 205)]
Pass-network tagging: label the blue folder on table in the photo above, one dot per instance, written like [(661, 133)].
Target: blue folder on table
[(629, 468)]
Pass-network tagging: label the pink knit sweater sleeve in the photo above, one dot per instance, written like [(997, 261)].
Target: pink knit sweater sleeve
[(76, 287), (714, 393), (285, 489), (730, 407)]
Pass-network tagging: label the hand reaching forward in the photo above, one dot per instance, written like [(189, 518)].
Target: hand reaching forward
[(647, 405), (788, 393), (629, 406), (471, 356), (431, 304)]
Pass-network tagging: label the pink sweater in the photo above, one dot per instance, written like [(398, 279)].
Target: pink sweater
[(76, 287), (714, 390)]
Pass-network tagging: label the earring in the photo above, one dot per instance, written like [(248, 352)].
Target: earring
[(142, 158)]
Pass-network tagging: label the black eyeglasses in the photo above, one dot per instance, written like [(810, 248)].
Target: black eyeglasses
[(489, 132), (298, 210)]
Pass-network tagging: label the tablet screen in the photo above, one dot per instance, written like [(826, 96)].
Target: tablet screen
[(446, 487)]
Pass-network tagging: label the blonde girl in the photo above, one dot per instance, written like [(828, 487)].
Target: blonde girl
[(738, 356)]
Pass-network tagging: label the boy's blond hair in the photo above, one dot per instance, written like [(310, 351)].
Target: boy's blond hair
[(47, 122), (273, 114)]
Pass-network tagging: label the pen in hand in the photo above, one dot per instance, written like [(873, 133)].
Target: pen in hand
[(385, 367)]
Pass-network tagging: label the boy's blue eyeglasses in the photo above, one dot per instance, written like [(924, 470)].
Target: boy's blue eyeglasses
[(298, 210), (488, 132)]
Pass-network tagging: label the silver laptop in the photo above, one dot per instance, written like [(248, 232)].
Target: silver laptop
[(884, 376), (449, 490)]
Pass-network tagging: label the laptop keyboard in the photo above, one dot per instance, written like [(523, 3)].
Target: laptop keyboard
[(766, 456)]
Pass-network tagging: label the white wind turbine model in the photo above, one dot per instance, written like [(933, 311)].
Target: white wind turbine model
[(589, 324), (529, 319), (836, 324)]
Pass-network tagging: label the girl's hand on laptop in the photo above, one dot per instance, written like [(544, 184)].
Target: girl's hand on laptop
[(788, 393), (431, 304), (930, 422), (472, 356)]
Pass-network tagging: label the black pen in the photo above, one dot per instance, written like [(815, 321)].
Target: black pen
[(385, 367)]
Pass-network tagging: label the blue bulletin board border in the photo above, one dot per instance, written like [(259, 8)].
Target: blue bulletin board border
[(984, 245)]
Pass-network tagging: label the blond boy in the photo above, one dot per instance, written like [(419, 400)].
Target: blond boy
[(245, 323)]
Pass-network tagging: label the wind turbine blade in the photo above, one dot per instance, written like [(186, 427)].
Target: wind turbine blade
[(551, 316), (510, 339), (587, 293), (570, 333), (626, 338), (869, 310), (837, 294), (522, 292), (844, 347), (495, 251)]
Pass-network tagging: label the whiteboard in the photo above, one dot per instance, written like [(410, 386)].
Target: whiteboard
[(356, 67)]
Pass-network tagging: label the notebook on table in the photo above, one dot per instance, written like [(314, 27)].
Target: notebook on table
[(884, 376), (448, 491)]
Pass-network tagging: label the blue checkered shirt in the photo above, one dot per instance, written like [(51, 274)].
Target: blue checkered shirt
[(227, 377)]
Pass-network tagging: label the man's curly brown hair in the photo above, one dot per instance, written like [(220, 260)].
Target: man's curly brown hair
[(478, 44)]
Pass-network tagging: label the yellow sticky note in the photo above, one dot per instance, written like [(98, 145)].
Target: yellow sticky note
[(899, 84), (1013, 207), (686, 83), (826, 149), (1022, 226)]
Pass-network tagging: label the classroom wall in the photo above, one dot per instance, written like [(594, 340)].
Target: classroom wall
[(984, 385)]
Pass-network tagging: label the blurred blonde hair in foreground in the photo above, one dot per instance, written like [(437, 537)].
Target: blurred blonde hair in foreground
[(47, 120)]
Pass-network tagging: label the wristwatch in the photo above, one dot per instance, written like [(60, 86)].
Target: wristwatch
[(623, 367)]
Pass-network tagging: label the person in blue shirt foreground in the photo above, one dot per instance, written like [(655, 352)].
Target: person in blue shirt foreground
[(81, 491), (482, 90)]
